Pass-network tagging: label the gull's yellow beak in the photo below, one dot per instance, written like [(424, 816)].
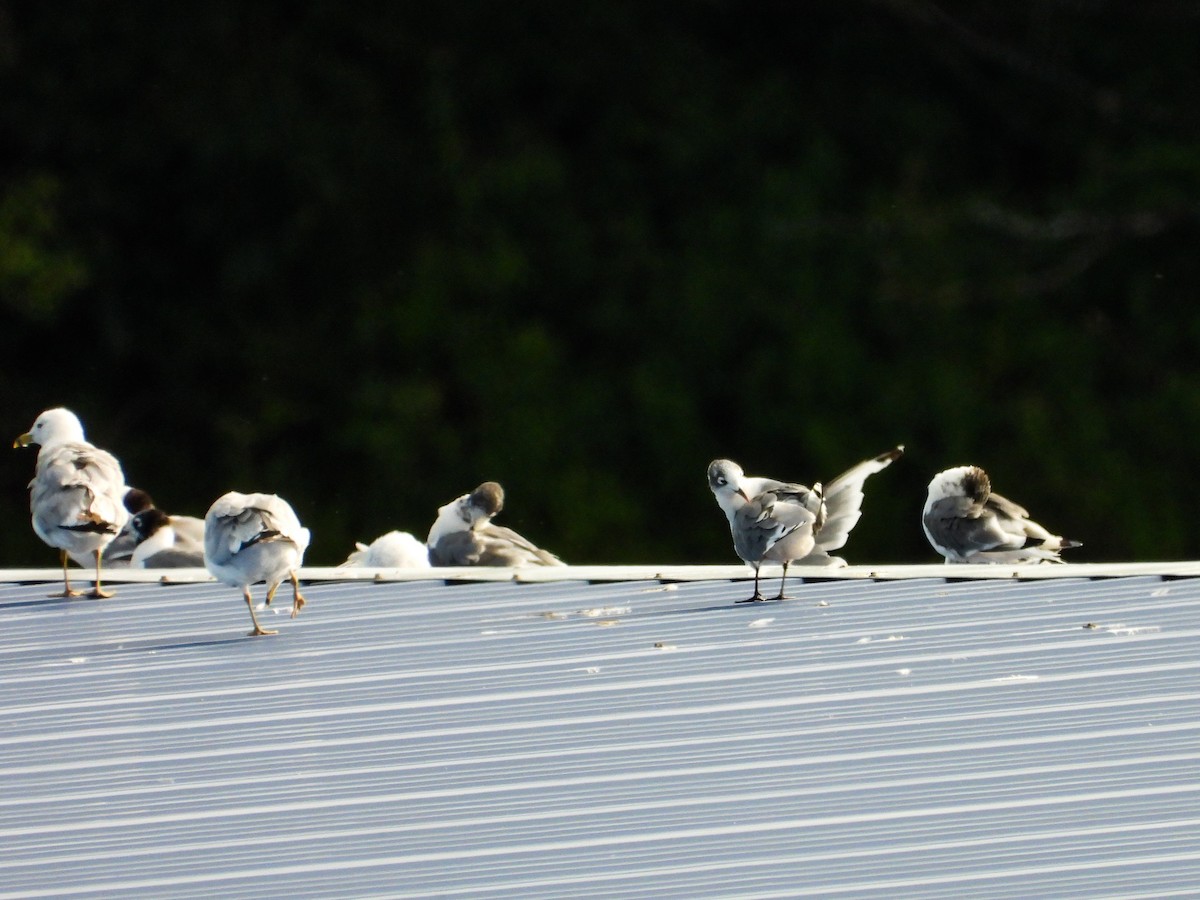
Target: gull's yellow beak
[(23, 440)]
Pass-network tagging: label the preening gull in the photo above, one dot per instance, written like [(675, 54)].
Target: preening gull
[(394, 550), (967, 523), (75, 495), (250, 538), (777, 521), (165, 542), (463, 534)]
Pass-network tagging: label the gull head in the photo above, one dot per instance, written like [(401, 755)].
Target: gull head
[(136, 500), (54, 426), (962, 481), (147, 522), (725, 478), (484, 502)]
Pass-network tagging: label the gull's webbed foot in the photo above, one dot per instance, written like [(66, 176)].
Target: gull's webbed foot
[(258, 631), (757, 598)]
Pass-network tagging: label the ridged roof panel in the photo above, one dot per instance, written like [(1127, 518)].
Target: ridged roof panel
[(916, 737)]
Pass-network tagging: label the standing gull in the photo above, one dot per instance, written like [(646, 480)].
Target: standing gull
[(463, 534), (967, 523), (250, 538), (776, 521), (75, 495)]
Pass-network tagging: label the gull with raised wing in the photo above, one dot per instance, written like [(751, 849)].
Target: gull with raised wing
[(463, 534), (75, 495), (778, 521), (967, 523), (250, 538)]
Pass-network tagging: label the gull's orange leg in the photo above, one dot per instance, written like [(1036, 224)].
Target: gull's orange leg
[(67, 590), (98, 592), (297, 601), (258, 629)]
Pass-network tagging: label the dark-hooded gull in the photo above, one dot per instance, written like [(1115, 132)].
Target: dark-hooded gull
[(165, 542), (120, 549), (463, 534), (186, 533), (967, 523)]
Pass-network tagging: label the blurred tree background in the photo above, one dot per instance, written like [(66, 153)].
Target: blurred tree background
[(367, 255)]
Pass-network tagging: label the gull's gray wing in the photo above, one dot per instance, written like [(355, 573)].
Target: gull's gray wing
[(491, 545), (78, 487), (456, 548), (965, 527), (118, 553), (1004, 507), (188, 528), (175, 558), (767, 519), (501, 544), (844, 498)]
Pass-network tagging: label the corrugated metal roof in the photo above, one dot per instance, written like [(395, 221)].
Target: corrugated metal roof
[(901, 738)]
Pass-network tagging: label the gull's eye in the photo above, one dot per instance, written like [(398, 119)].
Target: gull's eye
[(722, 480)]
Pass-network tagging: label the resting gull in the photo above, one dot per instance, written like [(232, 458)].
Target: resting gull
[(394, 550), (250, 538), (967, 523), (777, 521), (463, 534), (120, 552), (165, 542), (75, 495), (120, 549)]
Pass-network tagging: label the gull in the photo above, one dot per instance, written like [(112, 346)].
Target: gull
[(967, 523), (394, 550), (463, 534), (250, 538), (189, 529), (165, 542), (777, 521), (75, 495), (120, 550)]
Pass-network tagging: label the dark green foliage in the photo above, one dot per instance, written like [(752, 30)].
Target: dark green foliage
[(370, 255)]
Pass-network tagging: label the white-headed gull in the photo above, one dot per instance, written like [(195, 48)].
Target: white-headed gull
[(75, 495), (250, 538)]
